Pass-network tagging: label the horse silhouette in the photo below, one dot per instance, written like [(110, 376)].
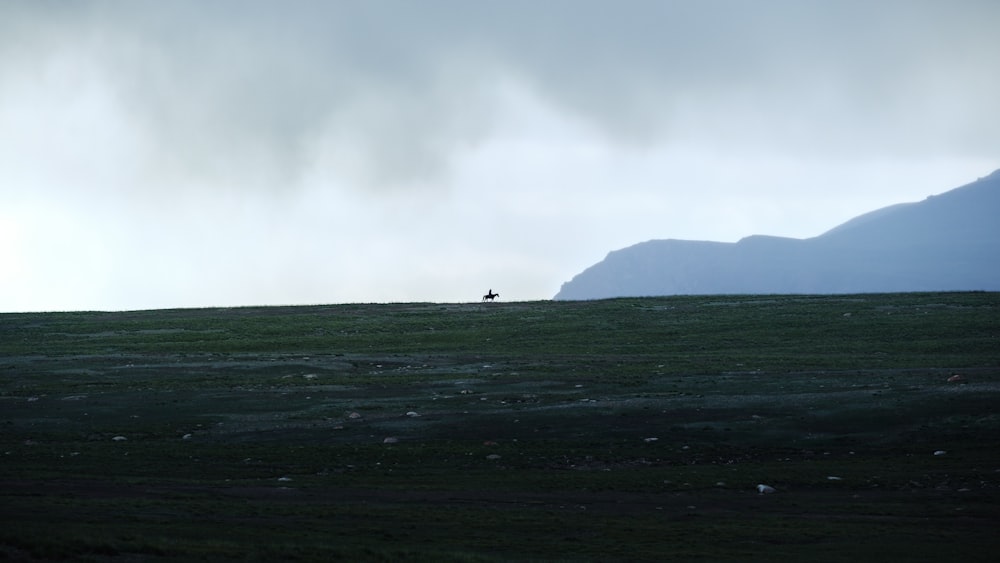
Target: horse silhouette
[(490, 296)]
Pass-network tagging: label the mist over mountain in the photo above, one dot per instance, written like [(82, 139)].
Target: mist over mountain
[(946, 242)]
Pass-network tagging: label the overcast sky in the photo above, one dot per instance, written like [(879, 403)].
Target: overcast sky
[(216, 153)]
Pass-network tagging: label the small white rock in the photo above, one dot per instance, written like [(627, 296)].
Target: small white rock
[(647, 440), (119, 439), (765, 489), (186, 437), (834, 478), (284, 478), (412, 414), (940, 452), (390, 440)]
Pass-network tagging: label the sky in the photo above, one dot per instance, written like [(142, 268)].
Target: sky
[(237, 152)]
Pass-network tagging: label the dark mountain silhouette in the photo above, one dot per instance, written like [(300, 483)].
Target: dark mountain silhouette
[(947, 242)]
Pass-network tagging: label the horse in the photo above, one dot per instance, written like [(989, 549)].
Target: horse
[(490, 296)]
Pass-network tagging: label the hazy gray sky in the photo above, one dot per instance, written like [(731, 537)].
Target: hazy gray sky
[(213, 153)]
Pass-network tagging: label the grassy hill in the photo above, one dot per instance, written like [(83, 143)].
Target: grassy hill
[(616, 430)]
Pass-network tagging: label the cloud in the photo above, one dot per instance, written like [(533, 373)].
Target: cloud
[(808, 76), (227, 152), (249, 93)]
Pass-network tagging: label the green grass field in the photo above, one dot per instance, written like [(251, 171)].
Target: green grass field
[(613, 430)]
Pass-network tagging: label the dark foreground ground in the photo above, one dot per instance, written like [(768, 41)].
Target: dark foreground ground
[(619, 430)]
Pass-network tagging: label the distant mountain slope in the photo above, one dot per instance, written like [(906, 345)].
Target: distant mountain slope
[(946, 242)]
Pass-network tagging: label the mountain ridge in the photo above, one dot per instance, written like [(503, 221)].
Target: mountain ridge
[(948, 241)]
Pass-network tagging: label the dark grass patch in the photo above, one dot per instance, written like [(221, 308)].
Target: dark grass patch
[(617, 430)]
